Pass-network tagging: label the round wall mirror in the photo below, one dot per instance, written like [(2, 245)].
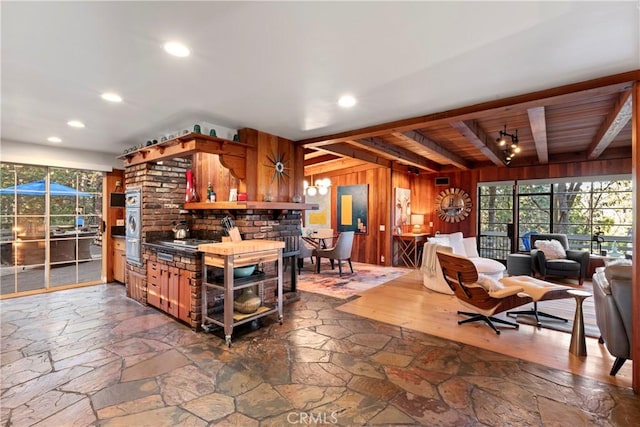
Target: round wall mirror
[(453, 205)]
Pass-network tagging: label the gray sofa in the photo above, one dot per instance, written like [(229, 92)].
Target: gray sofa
[(612, 294)]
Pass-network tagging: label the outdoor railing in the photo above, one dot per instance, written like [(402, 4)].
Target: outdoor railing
[(497, 245)]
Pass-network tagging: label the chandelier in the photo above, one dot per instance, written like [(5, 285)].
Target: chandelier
[(509, 148), (321, 187)]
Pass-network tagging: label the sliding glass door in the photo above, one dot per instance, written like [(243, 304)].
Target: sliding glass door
[(50, 227)]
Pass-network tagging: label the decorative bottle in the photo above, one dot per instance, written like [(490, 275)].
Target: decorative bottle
[(191, 195), (211, 194)]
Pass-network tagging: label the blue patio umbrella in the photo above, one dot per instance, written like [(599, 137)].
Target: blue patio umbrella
[(37, 188)]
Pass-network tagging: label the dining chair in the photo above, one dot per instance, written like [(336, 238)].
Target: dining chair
[(341, 251), (325, 237), (305, 251)]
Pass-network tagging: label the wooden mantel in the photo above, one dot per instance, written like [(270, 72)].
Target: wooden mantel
[(252, 205), (261, 164), (232, 153)]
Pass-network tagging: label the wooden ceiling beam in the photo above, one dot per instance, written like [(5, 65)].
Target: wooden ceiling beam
[(611, 127), (382, 147), (562, 94), (348, 150), (322, 157), (433, 147), (538, 123), (479, 138), (338, 164)]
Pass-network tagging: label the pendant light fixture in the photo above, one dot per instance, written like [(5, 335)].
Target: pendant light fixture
[(321, 187), (509, 148)]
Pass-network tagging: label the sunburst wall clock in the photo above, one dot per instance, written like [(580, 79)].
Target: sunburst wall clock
[(278, 161)]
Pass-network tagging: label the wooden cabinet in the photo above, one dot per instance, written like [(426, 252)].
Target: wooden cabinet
[(119, 260), (168, 290)]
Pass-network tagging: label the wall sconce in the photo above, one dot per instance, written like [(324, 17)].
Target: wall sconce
[(321, 187), (509, 149), (417, 220)]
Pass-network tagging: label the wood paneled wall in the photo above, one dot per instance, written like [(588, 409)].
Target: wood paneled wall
[(370, 247), (260, 167)]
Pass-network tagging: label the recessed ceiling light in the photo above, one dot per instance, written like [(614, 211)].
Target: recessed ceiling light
[(54, 139), (75, 123), (347, 101), (176, 49), (111, 97)]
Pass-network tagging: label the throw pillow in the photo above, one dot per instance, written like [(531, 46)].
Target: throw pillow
[(618, 261), (552, 249), (489, 283), (441, 240), (457, 245)]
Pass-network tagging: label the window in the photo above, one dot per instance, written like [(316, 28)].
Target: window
[(49, 225), (578, 209), (495, 217)]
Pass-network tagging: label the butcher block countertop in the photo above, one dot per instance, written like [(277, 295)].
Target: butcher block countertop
[(241, 247)]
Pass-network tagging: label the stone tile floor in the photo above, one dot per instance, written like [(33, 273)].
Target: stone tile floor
[(91, 356)]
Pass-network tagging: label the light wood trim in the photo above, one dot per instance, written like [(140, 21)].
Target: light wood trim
[(613, 124), (538, 123), (635, 293), (431, 146)]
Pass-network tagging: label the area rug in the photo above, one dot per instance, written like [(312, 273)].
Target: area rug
[(328, 282)]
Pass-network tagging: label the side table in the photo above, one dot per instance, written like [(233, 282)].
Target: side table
[(407, 249), (519, 264), (578, 342)]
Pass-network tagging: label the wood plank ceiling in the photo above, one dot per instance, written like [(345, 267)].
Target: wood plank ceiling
[(577, 122)]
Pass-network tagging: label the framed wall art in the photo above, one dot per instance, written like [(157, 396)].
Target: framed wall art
[(402, 210), (353, 208)]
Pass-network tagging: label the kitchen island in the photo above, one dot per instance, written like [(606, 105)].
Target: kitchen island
[(224, 258)]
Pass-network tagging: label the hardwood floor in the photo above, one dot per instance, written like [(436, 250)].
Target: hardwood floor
[(406, 302)]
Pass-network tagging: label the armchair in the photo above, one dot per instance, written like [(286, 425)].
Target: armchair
[(571, 263), (485, 296), (612, 296)]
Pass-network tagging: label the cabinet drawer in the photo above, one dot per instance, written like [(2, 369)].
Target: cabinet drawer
[(154, 273), (119, 245), (153, 295)]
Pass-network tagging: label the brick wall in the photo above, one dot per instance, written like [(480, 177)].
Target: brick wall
[(163, 192)]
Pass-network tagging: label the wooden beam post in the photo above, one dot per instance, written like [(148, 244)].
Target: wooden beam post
[(635, 282)]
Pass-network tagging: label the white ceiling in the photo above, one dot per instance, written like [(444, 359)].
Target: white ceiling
[(280, 67)]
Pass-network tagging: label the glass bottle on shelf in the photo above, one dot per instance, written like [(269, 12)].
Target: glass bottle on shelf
[(211, 194), (191, 194)]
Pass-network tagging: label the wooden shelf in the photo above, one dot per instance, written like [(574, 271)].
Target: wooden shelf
[(251, 205), (183, 146)]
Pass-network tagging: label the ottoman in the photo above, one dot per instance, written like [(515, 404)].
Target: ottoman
[(519, 265)]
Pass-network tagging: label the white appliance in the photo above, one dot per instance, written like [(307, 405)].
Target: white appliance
[(133, 224)]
